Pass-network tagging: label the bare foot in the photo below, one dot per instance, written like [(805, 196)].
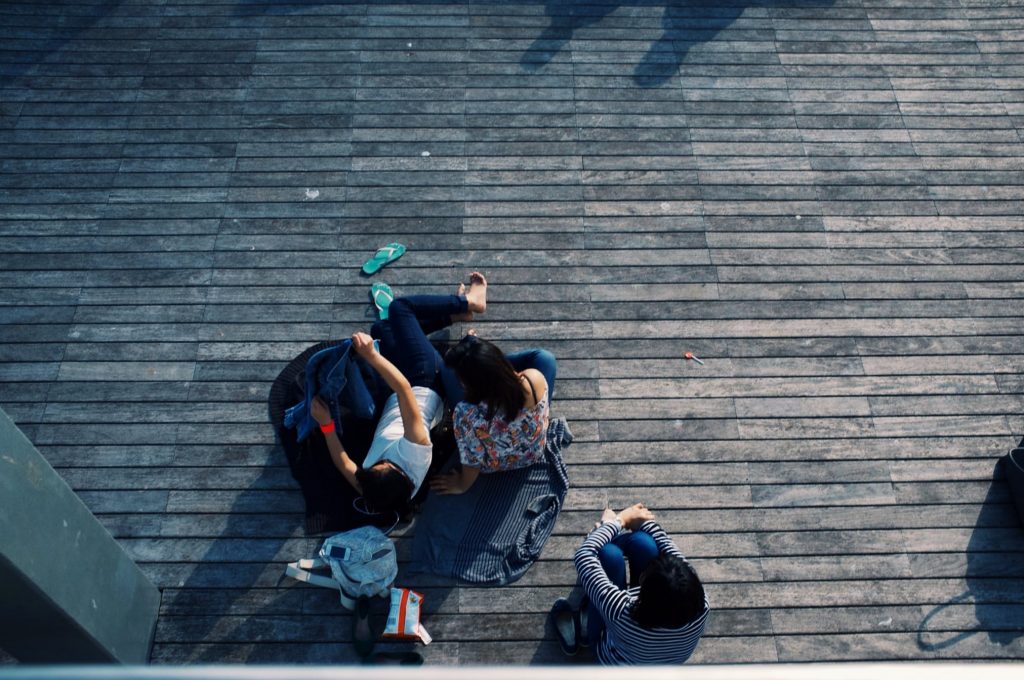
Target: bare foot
[(466, 316), (477, 295)]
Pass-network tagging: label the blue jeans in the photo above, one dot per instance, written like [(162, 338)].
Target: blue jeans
[(403, 335), (540, 359), (639, 549)]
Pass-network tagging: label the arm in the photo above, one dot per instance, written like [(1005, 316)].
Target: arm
[(603, 594), (459, 481), (456, 481), (639, 518), (346, 466), (661, 539), (415, 429)]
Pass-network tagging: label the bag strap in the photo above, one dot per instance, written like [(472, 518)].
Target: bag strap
[(300, 571)]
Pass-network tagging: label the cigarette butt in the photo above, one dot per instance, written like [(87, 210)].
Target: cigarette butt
[(691, 356)]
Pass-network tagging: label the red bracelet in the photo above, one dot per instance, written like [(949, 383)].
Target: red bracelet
[(328, 428)]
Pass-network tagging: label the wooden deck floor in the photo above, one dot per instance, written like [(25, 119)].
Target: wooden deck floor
[(823, 199)]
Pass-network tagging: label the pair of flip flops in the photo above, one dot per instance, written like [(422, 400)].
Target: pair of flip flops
[(380, 292)]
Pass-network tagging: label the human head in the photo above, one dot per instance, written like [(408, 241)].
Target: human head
[(671, 594), (384, 487), (487, 376)]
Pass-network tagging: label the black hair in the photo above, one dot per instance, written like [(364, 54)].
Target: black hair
[(487, 376), (671, 594), (385, 489)]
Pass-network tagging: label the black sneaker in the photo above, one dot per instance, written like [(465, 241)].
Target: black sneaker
[(584, 615), (362, 634), (566, 625)]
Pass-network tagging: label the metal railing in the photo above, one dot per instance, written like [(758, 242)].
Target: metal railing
[(817, 671)]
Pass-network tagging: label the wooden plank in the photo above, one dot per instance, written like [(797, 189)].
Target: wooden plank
[(849, 385)]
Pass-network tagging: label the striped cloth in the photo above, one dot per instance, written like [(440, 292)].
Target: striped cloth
[(494, 532), (625, 642)]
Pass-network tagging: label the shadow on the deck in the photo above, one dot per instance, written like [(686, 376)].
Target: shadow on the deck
[(1001, 620), (64, 27), (219, 569), (686, 23)]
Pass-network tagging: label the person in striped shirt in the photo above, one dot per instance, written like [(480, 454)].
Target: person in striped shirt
[(660, 617)]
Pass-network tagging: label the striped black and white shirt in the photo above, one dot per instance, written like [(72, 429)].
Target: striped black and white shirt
[(625, 642)]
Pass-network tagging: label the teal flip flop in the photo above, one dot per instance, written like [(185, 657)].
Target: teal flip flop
[(384, 255), (382, 296)]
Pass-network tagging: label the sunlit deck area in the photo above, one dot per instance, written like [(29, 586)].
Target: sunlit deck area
[(823, 200)]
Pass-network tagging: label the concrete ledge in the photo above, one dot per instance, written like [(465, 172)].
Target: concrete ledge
[(68, 591)]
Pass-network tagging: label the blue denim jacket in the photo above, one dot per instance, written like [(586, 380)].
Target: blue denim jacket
[(335, 375)]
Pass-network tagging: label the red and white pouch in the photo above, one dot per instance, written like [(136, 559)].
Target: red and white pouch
[(404, 617)]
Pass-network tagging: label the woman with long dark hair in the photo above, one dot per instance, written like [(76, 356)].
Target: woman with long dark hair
[(501, 419)]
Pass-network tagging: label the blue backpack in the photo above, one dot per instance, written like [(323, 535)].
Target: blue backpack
[(362, 563)]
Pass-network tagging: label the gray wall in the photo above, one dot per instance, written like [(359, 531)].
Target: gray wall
[(68, 591)]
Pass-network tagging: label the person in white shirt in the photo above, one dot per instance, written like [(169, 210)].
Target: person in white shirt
[(401, 452)]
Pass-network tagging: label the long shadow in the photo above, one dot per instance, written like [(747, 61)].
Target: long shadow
[(685, 24), (993, 558), (49, 39), (234, 574), (252, 8), (262, 529), (238, 576)]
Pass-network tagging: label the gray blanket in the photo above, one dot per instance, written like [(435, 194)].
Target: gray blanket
[(491, 534)]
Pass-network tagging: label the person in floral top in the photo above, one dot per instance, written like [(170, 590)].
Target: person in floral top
[(501, 421)]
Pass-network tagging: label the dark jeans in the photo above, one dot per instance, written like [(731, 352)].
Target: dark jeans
[(638, 548), (403, 335)]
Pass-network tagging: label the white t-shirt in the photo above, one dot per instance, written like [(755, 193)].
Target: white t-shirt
[(390, 444)]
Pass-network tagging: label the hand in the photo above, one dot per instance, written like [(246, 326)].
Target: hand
[(607, 516), (321, 414), (448, 484), (363, 345), (634, 516)]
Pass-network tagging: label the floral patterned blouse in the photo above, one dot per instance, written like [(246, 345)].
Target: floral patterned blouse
[(499, 444)]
